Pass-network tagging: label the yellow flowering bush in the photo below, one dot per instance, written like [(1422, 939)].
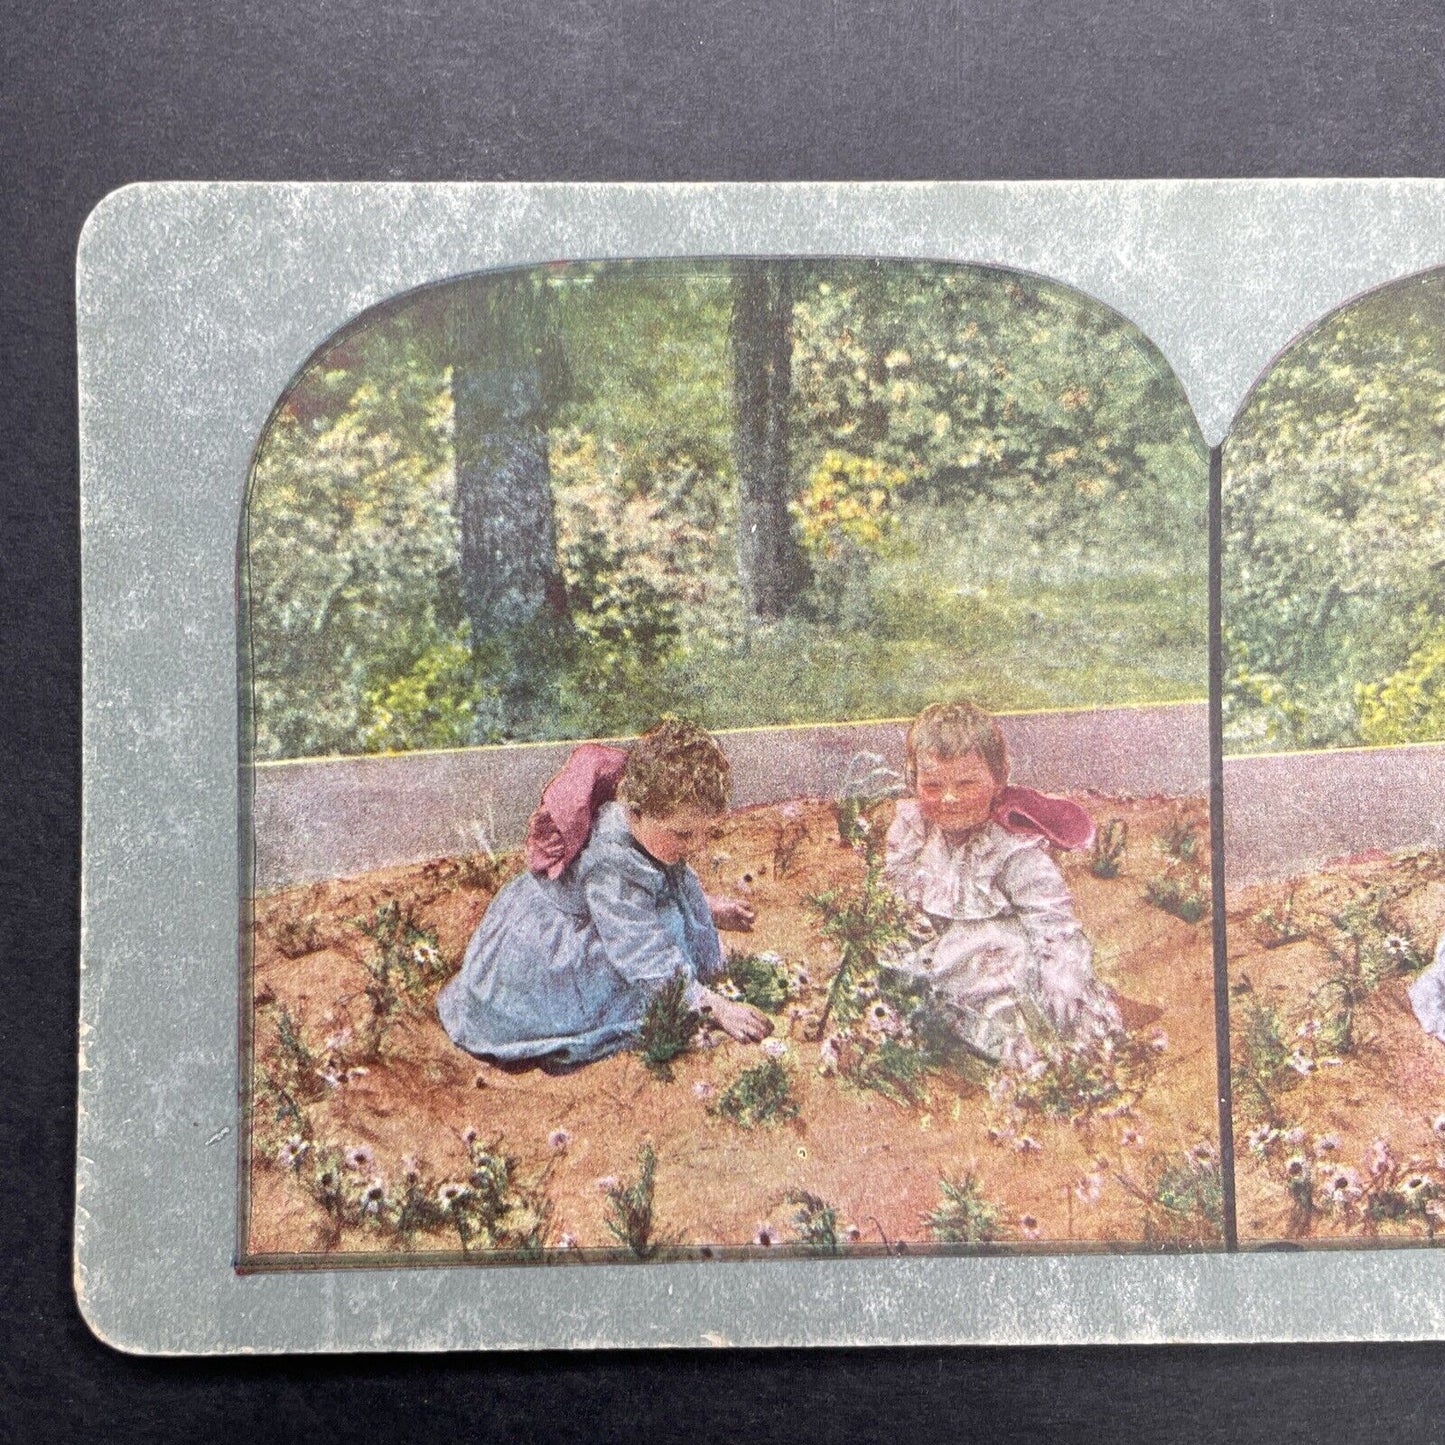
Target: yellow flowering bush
[(848, 500)]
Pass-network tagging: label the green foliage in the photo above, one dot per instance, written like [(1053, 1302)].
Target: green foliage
[(964, 1216), (1334, 531), (434, 704), (1261, 1061), (496, 1207), (296, 1072), (1111, 842), (1182, 892), (1001, 483), (760, 979), (1188, 1194), (861, 922), (895, 1068), (1075, 1082), (762, 1094), (1409, 706), (349, 572), (668, 1027), (630, 1219), (816, 1222), (401, 968)]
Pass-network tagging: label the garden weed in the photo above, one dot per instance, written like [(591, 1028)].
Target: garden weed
[(496, 1206), (1185, 894), (297, 1065), (1111, 842), (1180, 838), (893, 1068), (1183, 1197), (668, 1027), (1274, 928), (297, 937), (791, 834), (964, 1216), (862, 921), (816, 1222), (760, 979), (401, 968), (762, 1094), (630, 1218), (1262, 1061), (1074, 1082)]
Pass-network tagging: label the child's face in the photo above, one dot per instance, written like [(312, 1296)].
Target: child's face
[(957, 794), (673, 838)]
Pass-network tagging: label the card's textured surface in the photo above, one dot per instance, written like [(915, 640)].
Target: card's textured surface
[(198, 308)]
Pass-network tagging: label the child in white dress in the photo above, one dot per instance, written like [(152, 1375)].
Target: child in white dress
[(993, 922)]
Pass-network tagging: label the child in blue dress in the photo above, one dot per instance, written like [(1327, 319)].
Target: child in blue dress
[(569, 955)]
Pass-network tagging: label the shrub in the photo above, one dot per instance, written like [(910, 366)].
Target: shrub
[(762, 1094)]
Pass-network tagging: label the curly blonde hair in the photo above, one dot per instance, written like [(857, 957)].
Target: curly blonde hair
[(675, 767), (946, 730)]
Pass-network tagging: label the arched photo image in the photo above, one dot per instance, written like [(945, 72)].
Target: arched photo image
[(725, 768), (1334, 710)]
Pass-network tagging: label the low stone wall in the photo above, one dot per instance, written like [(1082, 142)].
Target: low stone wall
[(337, 817), (1290, 814)]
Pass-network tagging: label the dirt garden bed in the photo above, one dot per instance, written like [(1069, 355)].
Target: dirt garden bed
[(374, 1135), (1339, 1095)]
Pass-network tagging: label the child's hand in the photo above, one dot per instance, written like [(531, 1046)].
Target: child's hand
[(732, 915), (738, 1021)]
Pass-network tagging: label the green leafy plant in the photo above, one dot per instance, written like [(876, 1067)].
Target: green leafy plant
[(964, 1216), (630, 1209), (1276, 927), (1261, 1061), (1182, 837), (1111, 842), (1184, 894), (496, 1207), (868, 783), (296, 1066), (861, 922), (762, 1094), (760, 979), (1183, 1195), (893, 1068), (402, 966), (668, 1027), (816, 1223), (1076, 1081)]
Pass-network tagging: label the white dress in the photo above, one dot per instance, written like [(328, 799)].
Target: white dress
[(996, 938)]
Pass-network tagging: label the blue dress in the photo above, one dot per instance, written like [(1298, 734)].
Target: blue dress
[(564, 969)]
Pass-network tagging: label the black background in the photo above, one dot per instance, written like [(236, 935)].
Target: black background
[(94, 95)]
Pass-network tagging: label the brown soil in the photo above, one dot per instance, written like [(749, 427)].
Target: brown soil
[(876, 1161), (1388, 1085)]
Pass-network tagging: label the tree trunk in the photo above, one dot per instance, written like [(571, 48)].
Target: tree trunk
[(770, 562), (501, 344)]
